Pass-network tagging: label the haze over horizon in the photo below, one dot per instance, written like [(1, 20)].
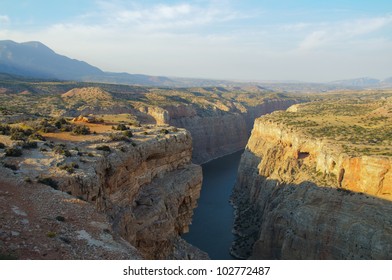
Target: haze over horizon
[(243, 40)]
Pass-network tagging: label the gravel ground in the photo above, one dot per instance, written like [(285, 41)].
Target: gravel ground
[(38, 222)]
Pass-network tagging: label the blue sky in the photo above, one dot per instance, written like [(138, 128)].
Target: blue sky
[(227, 39)]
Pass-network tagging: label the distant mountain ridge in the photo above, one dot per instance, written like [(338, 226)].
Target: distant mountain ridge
[(35, 60), (363, 82)]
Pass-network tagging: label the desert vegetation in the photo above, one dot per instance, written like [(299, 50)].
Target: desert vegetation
[(362, 125)]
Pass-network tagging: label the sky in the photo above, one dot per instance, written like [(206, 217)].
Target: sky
[(265, 40)]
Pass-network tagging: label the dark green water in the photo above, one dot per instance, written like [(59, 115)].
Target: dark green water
[(213, 218)]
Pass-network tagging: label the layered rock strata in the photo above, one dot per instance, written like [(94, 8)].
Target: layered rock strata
[(219, 131), (298, 197), (149, 191), (147, 188)]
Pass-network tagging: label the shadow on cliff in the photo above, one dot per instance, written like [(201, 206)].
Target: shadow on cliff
[(276, 220)]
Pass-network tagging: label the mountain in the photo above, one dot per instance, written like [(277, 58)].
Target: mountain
[(35, 60), (359, 82)]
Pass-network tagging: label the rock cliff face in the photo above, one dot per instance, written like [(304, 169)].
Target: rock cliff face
[(298, 197), (216, 132), (149, 191), (147, 188)]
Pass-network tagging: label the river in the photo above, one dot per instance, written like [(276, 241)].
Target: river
[(213, 218)]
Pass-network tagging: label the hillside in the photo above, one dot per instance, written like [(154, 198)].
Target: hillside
[(35, 60)]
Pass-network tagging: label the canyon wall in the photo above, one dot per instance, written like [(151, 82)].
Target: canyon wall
[(219, 131), (147, 188), (298, 197), (149, 191)]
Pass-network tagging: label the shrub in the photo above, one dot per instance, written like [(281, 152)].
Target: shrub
[(2, 146), (123, 149), (67, 168), (49, 182), (29, 145), (60, 122), (81, 130), (66, 127), (128, 133), (61, 149), (118, 137), (51, 234), (60, 218), (13, 152), (45, 126), (121, 127), (10, 166), (5, 129), (37, 136), (28, 180), (70, 168), (103, 148), (18, 133)]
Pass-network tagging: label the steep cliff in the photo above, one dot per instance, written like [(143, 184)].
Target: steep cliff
[(147, 187), (219, 130), (149, 191), (218, 134), (300, 197)]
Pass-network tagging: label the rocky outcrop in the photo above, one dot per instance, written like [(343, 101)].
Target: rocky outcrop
[(147, 188), (218, 131), (149, 191), (161, 116), (298, 197)]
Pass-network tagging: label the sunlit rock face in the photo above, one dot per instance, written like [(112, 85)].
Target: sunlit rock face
[(217, 132), (299, 197)]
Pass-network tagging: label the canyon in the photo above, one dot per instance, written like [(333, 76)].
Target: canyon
[(208, 127), (303, 197), (147, 189), (144, 180), (298, 194)]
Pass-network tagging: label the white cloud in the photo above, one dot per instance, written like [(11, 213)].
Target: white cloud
[(366, 26), (121, 14), (154, 14), (334, 34)]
